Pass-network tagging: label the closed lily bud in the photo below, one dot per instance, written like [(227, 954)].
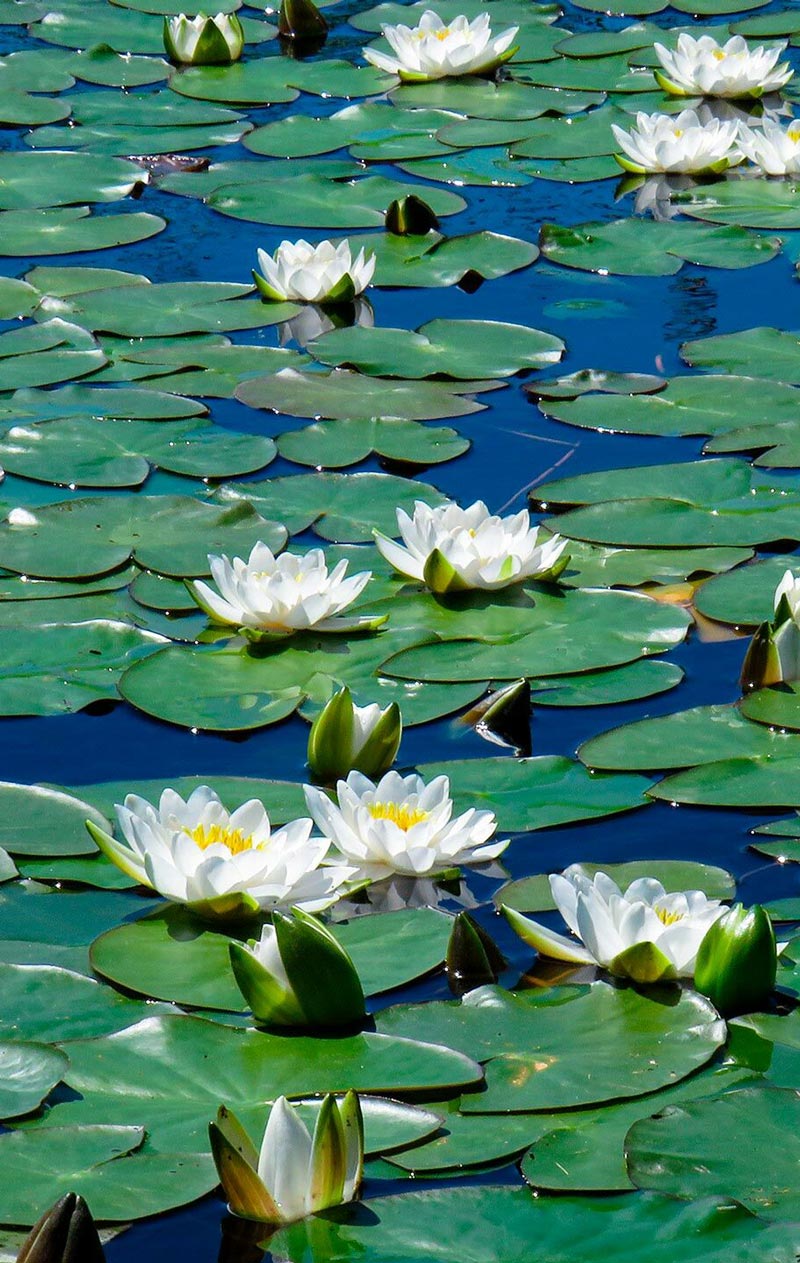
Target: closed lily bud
[(348, 738), (298, 974), (409, 216), (473, 959), (66, 1233), (737, 961), (294, 1174), (301, 20), (203, 40)]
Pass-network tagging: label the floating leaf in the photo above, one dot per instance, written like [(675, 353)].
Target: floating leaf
[(639, 247), (28, 1073), (40, 821), (355, 396), (72, 230), (309, 201), (333, 444)]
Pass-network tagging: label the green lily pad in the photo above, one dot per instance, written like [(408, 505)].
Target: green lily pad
[(146, 141), (17, 298), (768, 780), (43, 1002), (125, 404), (585, 1151), (125, 30), (30, 916), (496, 1224), (702, 503), (309, 201), (572, 631), (46, 354), (105, 1164), (533, 894), (432, 260), (764, 352), (596, 566), (28, 1073), (341, 507), (778, 706), (772, 204), (37, 821), (484, 98), (605, 1043), (687, 1151), (163, 310), (537, 793), (84, 452), (745, 596), (334, 444), (170, 534), (703, 734), (480, 167), (29, 180), (639, 247), (452, 348), (343, 394), (631, 682), (109, 69), (22, 109), (170, 955), (93, 870), (72, 230)]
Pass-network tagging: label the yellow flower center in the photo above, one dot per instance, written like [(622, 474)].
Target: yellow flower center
[(677, 132), (404, 817), (668, 918), (718, 54), (236, 840)]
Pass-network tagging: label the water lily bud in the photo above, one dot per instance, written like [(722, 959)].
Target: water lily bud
[(66, 1233), (345, 738), (504, 717), (410, 217), (738, 960), (298, 974), (301, 20), (203, 40), (295, 1174), (473, 959)]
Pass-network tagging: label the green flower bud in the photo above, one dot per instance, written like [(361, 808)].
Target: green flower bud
[(301, 20), (473, 959), (298, 974), (348, 738), (66, 1233), (738, 960), (410, 216)]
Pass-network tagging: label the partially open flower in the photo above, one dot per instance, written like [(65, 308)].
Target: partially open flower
[(682, 143), (301, 273), (219, 863), (298, 974), (269, 597), (402, 825), (703, 67), (345, 737), (203, 41), (773, 655), (775, 150), (452, 549), (644, 934), (295, 1174), (437, 50)]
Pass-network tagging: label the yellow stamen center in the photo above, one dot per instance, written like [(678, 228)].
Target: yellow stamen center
[(678, 132), (443, 34), (404, 817), (668, 918), (236, 840), (718, 54)]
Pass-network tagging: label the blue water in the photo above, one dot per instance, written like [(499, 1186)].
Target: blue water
[(628, 324)]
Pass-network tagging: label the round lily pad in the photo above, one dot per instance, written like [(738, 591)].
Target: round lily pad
[(45, 822), (28, 1073)]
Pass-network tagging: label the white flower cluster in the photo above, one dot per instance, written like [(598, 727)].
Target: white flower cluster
[(709, 139)]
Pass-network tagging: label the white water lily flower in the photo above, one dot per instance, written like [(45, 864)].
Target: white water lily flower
[(438, 50), (295, 1174), (203, 40), (222, 863), (451, 548), (644, 934), (772, 148), (679, 143), (703, 67), (401, 825), (268, 596), (301, 273)]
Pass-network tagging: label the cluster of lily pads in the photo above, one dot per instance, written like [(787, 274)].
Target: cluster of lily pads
[(202, 975)]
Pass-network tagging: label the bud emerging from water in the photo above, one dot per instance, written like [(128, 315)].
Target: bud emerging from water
[(738, 960), (345, 738), (203, 40), (66, 1233)]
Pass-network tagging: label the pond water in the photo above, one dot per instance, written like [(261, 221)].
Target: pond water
[(608, 320)]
